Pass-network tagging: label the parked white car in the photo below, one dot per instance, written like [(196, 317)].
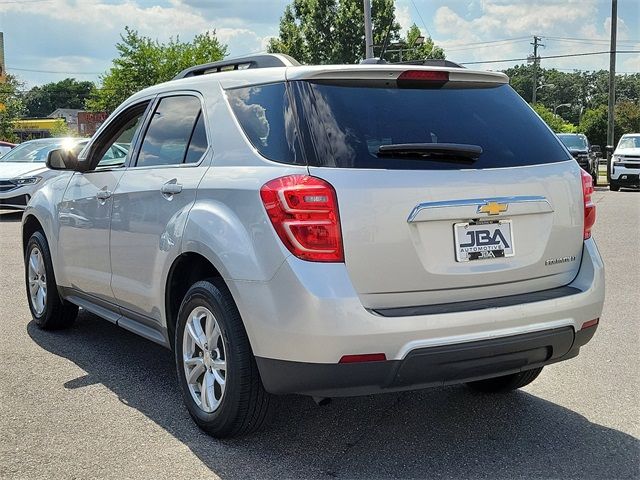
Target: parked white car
[(625, 163), (23, 169)]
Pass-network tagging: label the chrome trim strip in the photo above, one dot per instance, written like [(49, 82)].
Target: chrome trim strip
[(476, 202)]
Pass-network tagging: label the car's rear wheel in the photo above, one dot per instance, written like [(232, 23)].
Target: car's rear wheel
[(216, 368), (48, 309), (506, 383)]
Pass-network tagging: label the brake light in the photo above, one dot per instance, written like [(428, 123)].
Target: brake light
[(589, 207), (304, 212), (422, 78)]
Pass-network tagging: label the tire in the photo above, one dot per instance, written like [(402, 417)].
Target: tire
[(614, 187), (51, 313), (506, 383), (239, 405)]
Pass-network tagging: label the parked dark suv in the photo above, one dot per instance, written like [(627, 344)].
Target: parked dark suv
[(583, 152)]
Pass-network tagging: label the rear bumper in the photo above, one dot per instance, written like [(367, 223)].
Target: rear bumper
[(425, 367), (308, 316)]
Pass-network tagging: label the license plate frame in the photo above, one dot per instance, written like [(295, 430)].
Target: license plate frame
[(487, 249)]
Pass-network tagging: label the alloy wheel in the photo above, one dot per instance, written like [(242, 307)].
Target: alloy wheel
[(204, 359), (37, 281)]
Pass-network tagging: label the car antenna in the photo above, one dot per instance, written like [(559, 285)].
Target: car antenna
[(385, 44)]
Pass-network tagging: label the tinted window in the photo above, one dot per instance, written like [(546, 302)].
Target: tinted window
[(198, 143), (575, 142), (346, 125), (113, 146), (166, 139), (266, 118)]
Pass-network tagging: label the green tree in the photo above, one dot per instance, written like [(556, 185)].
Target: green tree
[(594, 122), (143, 62), (68, 93), (594, 125), (332, 32), (11, 107), (427, 49), (556, 123), (628, 116)]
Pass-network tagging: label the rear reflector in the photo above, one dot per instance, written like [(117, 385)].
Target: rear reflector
[(304, 212), (590, 323), (589, 207), (422, 78), (364, 357)]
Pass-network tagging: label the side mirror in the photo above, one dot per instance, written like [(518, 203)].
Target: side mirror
[(62, 159)]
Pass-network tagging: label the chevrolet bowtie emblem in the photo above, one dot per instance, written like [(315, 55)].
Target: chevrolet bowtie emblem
[(493, 208)]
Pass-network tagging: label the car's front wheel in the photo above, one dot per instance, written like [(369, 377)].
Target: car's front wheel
[(613, 186), (48, 309), (216, 369), (506, 383)]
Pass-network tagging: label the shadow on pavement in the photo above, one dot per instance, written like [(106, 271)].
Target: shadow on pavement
[(445, 433)]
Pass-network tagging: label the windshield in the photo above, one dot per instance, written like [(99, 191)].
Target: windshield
[(574, 142), (629, 142), (36, 152)]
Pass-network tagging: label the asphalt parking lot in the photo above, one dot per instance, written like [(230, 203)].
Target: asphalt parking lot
[(99, 402)]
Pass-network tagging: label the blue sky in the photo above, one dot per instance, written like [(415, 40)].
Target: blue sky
[(48, 40)]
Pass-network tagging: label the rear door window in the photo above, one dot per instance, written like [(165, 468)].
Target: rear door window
[(167, 138)]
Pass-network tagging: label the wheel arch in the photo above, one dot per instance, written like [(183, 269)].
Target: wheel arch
[(30, 225), (186, 269)]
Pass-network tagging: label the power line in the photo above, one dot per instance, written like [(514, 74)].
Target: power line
[(550, 57), (458, 48), (592, 39), (52, 71), (424, 24)]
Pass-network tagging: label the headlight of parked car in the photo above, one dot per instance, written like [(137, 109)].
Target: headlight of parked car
[(26, 181)]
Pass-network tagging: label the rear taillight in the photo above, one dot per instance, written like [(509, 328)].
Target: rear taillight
[(304, 213), (589, 207)]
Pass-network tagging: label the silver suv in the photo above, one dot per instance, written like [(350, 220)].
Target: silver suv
[(323, 230)]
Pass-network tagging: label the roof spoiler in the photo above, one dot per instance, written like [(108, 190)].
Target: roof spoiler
[(432, 62), (427, 62), (242, 63)]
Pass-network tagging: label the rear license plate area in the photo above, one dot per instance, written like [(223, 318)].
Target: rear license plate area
[(483, 240)]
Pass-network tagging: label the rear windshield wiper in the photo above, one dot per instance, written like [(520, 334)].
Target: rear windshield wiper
[(445, 152)]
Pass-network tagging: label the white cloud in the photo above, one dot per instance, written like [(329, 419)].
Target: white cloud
[(403, 16), (519, 21)]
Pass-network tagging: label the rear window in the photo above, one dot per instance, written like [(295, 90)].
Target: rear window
[(344, 126)]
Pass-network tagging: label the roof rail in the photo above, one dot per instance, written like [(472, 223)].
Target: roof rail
[(242, 63), (432, 62)]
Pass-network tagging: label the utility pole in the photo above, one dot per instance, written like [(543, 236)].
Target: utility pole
[(368, 30), (536, 59), (612, 85)]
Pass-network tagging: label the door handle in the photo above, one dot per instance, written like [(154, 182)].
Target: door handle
[(103, 194), (171, 188)]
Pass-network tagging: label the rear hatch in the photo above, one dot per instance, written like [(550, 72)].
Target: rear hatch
[(449, 187), (425, 220)]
